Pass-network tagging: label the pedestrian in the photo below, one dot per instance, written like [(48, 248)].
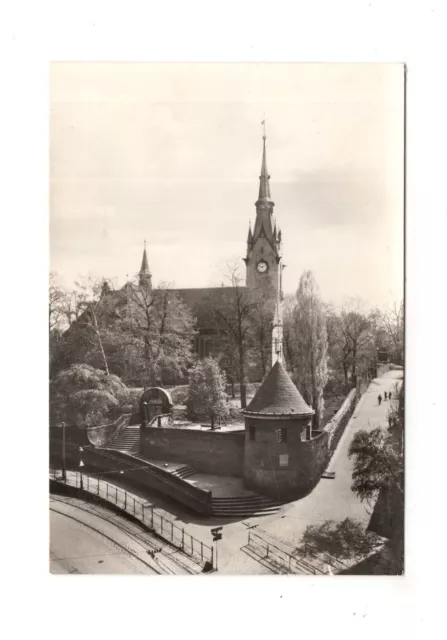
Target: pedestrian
[(385, 395), (379, 399), (389, 395)]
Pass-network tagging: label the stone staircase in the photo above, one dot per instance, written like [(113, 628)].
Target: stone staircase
[(126, 439), (244, 506), (184, 472)]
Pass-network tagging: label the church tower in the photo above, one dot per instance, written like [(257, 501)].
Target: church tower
[(144, 275), (264, 256)]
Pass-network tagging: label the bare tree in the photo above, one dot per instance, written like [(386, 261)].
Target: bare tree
[(234, 318), (354, 336)]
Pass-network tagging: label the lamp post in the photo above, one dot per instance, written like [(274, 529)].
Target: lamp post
[(81, 464), (64, 474)]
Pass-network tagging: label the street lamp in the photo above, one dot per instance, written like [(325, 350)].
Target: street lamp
[(81, 464), (64, 474)]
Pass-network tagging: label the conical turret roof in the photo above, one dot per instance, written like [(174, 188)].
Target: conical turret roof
[(277, 395)]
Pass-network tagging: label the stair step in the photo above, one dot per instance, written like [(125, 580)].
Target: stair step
[(239, 499), (246, 510)]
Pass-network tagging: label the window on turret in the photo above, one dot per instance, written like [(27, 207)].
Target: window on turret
[(251, 432), (281, 435)]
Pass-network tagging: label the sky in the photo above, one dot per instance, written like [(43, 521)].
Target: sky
[(171, 154)]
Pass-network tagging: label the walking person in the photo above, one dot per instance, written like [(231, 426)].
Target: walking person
[(385, 395), (389, 395), (379, 399)]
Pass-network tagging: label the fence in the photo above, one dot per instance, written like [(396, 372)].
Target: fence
[(155, 522), (306, 559), (283, 561)]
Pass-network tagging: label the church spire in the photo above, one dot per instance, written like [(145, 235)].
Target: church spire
[(145, 276), (264, 185)]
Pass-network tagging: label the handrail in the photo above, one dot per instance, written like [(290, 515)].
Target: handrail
[(118, 423), (289, 558), (178, 483), (156, 472), (163, 521)]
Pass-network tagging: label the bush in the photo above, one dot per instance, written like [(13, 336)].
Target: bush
[(179, 395), (84, 396), (206, 392)]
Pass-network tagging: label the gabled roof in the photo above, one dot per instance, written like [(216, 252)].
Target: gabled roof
[(202, 300), (278, 396)]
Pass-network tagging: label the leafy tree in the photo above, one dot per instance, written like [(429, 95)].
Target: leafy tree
[(90, 313), (85, 396), (346, 540), (307, 344), (378, 473), (378, 463), (206, 391), (158, 331)]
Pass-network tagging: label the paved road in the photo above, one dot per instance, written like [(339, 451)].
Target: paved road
[(84, 542)]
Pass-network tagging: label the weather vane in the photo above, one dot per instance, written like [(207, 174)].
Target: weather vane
[(263, 124)]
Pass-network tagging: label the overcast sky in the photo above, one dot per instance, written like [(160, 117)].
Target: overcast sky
[(171, 153)]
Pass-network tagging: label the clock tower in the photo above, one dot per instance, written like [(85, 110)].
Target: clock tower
[(264, 256)]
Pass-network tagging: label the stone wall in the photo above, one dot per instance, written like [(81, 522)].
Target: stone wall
[(216, 452), (383, 368), (313, 459), (336, 426), (265, 468)]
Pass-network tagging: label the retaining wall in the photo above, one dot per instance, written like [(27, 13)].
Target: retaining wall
[(216, 452), (142, 475), (336, 426)]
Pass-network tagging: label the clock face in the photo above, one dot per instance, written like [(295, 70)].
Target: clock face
[(262, 266)]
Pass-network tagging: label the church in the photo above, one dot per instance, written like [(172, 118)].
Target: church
[(264, 268)]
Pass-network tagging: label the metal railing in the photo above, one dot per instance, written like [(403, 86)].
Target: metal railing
[(145, 513), (283, 561)]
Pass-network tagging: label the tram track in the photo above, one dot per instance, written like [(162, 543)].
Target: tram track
[(147, 546)]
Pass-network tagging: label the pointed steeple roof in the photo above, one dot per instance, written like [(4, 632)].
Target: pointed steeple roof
[(144, 270), (278, 396), (264, 185), (250, 234)]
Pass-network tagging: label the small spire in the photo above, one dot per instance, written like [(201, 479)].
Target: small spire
[(250, 234), (264, 186), (144, 263)]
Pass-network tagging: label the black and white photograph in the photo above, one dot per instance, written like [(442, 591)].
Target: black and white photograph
[(226, 318)]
